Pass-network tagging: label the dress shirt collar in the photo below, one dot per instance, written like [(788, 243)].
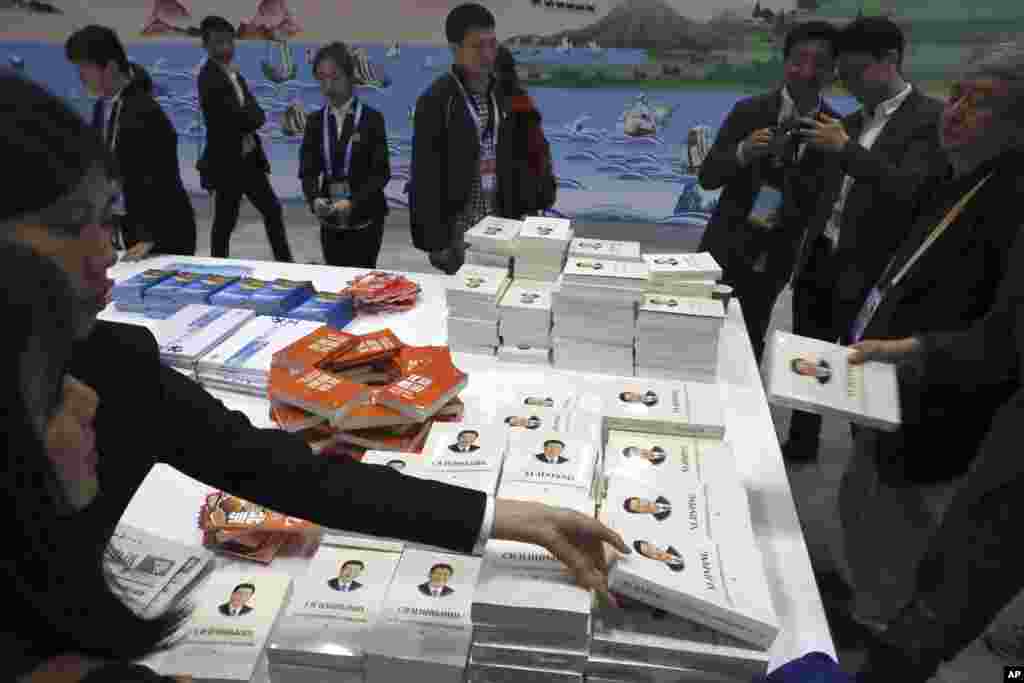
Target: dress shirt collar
[(341, 112), (788, 109), (886, 109), (460, 73)]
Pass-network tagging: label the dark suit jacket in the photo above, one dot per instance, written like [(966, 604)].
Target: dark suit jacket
[(952, 286), (876, 217), (455, 449), (227, 122), (425, 589), (526, 180), (728, 235), (225, 609), (370, 169), (561, 459), (662, 516), (445, 158), (336, 585), (157, 206)]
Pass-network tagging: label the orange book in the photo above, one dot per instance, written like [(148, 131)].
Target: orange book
[(408, 439), (314, 349), (369, 348), (451, 412), (429, 381), (236, 516), (370, 416), (292, 419), (316, 391)]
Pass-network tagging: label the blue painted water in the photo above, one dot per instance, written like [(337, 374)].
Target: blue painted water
[(603, 174)]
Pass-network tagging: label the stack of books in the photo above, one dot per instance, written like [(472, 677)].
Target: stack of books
[(543, 243), (693, 274), (608, 250), (194, 330), (183, 288), (242, 362), (643, 456), (224, 640), (240, 528), (265, 297), (473, 295), (129, 294), (677, 337), (662, 407), (493, 242), (595, 315), (324, 632), (419, 465), (526, 313), (331, 309), (425, 630)]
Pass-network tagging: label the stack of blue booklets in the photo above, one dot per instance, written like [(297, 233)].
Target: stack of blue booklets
[(266, 297), (200, 291), (128, 295), (335, 310)]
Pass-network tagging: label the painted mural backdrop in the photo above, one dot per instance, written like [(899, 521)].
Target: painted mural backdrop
[(631, 93)]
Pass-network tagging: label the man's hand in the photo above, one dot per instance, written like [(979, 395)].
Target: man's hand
[(575, 539), (322, 207), (343, 205), (885, 351), (757, 144), (138, 252), (824, 132)]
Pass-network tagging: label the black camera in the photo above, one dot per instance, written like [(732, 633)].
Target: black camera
[(785, 142)]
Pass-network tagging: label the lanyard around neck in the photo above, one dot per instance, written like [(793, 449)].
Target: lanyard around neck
[(329, 144), (494, 119)]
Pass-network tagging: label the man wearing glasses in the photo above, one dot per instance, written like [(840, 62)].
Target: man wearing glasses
[(344, 165)]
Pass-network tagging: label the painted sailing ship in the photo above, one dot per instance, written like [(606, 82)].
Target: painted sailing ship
[(165, 19), (366, 74), (293, 119), (394, 52)]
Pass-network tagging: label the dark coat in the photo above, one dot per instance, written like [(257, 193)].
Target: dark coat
[(227, 122), (526, 178)]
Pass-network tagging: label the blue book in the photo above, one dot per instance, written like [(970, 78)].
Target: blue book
[(333, 309), (170, 290), (200, 291), (280, 296), (239, 293), (134, 288), (226, 271)]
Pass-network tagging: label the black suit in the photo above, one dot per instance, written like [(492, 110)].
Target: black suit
[(425, 589), (369, 173), (225, 609), (831, 286), (558, 461), (145, 145), (662, 516), (336, 585), (224, 168), (454, 448), (729, 236)]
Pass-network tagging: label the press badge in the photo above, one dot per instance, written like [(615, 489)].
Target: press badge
[(867, 312)]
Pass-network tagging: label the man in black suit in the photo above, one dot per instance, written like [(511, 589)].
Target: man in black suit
[(660, 508), (821, 370), (233, 163), (236, 606), (466, 442), (345, 581), (670, 556), (878, 157), (755, 156), (655, 455), (552, 454), (437, 586), (454, 142), (154, 213), (344, 169)]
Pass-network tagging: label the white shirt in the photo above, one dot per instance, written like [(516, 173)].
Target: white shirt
[(486, 527), (873, 127), (248, 141), (345, 587), (339, 114)]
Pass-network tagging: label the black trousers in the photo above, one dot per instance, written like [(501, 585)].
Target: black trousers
[(816, 314), (352, 248), (253, 182), (757, 293)]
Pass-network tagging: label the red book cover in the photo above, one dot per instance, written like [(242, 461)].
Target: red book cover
[(369, 348), (316, 391), (408, 439), (429, 381), (313, 349), (222, 512)]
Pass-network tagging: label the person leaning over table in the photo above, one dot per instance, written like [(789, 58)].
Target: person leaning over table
[(62, 214), (345, 167), (969, 570), (898, 484)]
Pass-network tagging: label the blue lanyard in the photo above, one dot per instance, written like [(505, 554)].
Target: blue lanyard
[(329, 144), (495, 118)]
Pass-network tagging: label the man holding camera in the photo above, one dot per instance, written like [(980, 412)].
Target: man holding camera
[(878, 157), (771, 180)]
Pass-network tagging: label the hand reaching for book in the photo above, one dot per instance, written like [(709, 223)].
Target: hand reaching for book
[(575, 539), (884, 350)]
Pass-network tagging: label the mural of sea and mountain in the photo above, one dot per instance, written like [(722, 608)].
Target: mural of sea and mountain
[(632, 94)]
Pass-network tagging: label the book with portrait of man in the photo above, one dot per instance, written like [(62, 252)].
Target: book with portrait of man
[(547, 457), (812, 375), (612, 250), (465, 446), (663, 407), (432, 587), (645, 456), (684, 266)]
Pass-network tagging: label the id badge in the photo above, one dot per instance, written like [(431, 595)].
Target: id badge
[(339, 190), (488, 173), (867, 312)]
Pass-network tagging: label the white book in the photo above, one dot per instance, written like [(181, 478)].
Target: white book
[(682, 306), (613, 250), (530, 637), (420, 466), (557, 230), (251, 349), (151, 572), (454, 447), (333, 607), (494, 673), (812, 375), (195, 329), (653, 406), (235, 612), (688, 288), (675, 506), (283, 672), (524, 353), (494, 232), (534, 657), (624, 274), (528, 295), (688, 266), (550, 458), (540, 600), (609, 670), (477, 282), (645, 456)]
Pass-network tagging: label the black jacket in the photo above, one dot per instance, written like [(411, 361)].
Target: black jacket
[(526, 179), (876, 217), (150, 413), (370, 169), (952, 286), (728, 235), (445, 157), (227, 122), (158, 208)]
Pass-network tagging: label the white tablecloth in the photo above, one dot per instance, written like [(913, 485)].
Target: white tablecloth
[(749, 428)]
